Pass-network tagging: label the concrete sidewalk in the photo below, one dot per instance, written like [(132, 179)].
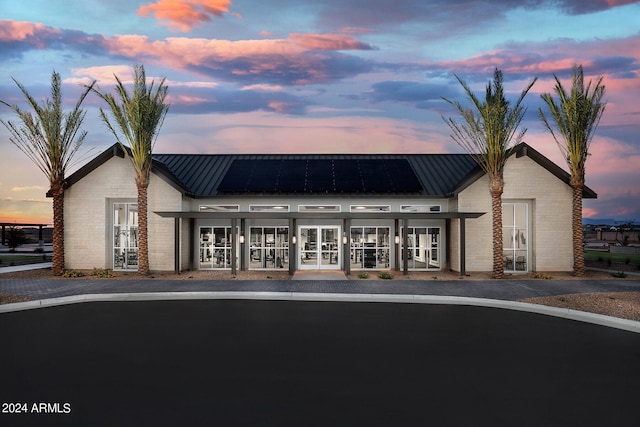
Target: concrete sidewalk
[(507, 290)]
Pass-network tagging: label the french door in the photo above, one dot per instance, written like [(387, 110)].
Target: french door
[(319, 247)]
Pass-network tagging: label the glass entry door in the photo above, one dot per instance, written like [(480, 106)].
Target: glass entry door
[(319, 247)]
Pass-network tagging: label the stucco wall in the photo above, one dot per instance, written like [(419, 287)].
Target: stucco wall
[(549, 222), (88, 217)]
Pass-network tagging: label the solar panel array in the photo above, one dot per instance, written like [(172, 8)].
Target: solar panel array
[(320, 176)]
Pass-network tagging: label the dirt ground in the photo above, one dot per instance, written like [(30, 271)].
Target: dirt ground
[(624, 305)]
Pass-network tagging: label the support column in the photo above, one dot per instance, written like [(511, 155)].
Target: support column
[(234, 251), (405, 245), (463, 267), (396, 246), (40, 238), (346, 246), (176, 245), (192, 242), (293, 253), (243, 247)]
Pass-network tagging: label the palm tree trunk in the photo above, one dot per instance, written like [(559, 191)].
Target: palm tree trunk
[(57, 263), (498, 244), (143, 242), (578, 250)]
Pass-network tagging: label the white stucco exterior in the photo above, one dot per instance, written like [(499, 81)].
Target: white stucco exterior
[(89, 218), (549, 201)]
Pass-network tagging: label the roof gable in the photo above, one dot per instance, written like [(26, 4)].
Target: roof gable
[(210, 175)]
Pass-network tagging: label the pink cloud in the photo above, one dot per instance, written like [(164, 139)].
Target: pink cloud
[(183, 15), (299, 59), (33, 33)]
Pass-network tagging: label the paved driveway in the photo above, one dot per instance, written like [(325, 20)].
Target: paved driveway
[(263, 363)]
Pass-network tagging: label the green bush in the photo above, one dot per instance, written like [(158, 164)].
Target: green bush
[(542, 276), (385, 275), (620, 274), (363, 275)]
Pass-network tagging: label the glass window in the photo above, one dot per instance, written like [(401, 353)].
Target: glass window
[(125, 236), (515, 237), (269, 208), (369, 247), (318, 208), (420, 208), (269, 248), (219, 208), (370, 208), (215, 247), (423, 248)]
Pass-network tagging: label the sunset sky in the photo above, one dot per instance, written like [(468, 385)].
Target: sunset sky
[(330, 76)]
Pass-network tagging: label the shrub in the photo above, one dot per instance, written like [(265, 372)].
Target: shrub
[(102, 273), (385, 275), (542, 276), (363, 275), (627, 261), (72, 273), (619, 274)]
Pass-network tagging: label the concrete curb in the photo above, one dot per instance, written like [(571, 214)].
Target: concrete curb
[(25, 267), (597, 319)]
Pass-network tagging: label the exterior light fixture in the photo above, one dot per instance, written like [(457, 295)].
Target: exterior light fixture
[(242, 239), (293, 239), (344, 240), (397, 239)]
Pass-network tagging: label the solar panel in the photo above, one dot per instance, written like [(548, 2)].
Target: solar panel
[(317, 175)]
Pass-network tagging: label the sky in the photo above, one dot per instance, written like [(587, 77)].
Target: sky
[(330, 76)]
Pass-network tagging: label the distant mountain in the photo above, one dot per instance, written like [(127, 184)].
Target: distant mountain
[(604, 221)]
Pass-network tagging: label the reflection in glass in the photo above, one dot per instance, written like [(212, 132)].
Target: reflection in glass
[(125, 236), (515, 237), (215, 248), (269, 248), (369, 247), (423, 248)]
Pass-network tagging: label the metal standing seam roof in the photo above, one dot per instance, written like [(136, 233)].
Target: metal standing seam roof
[(314, 174)]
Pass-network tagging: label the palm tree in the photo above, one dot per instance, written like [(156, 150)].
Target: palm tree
[(50, 137), (576, 115), (487, 131), (139, 117)]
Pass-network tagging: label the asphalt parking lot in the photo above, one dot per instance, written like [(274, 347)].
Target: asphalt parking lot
[(243, 362)]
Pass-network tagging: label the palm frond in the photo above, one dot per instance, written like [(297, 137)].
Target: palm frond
[(488, 128), (574, 118), (47, 135), (135, 118)]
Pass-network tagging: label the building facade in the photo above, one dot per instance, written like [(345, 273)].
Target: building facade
[(342, 212)]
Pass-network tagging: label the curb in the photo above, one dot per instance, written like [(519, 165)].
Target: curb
[(597, 319)]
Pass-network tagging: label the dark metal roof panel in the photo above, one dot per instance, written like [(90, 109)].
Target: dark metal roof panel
[(425, 174)]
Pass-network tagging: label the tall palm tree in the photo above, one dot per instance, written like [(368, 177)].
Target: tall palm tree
[(487, 131), (139, 117), (50, 137), (576, 115)]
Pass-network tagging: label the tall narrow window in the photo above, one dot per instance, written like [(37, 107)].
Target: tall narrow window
[(125, 236), (515, 237)]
